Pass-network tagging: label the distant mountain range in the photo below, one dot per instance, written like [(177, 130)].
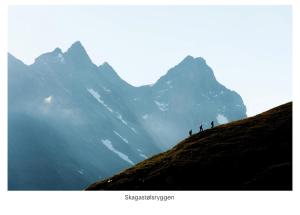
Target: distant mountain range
[(71, 123), (249, 154)]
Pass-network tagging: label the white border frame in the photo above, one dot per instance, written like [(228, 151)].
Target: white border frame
[(199, 202)]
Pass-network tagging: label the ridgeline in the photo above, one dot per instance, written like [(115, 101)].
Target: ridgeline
[(249, 154)]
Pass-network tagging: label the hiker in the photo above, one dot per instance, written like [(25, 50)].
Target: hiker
[(212, 124), (201, 128), (190, 132)]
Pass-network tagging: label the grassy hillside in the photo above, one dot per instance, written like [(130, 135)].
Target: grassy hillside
[(250, 154)]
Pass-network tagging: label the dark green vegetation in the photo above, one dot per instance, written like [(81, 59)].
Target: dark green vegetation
[(250, 154)]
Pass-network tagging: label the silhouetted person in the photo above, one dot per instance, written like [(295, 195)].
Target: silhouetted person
[(190, 132), (212, 124), (201, 128)]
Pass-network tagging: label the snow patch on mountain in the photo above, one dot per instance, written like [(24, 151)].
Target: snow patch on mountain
[(61, 58), (145, 116), (97, 96), (109, 145), (80, 171), (122, 138), (106, 89), (143, 155), (161, 106), (48, 100), (169, 84), (222, 119), (162, 91), (120, 117), (133, 129)]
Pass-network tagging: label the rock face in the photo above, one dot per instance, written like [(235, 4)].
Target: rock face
[(72, 122), (185, 97), (250, 154)]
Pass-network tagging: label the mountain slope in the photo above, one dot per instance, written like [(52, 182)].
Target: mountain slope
[(69, 118), (250, 154), (187, 96)]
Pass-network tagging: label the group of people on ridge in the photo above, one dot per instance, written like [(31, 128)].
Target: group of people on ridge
[(201, 128)]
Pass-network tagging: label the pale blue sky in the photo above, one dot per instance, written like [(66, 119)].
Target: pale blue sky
[(248, 47)]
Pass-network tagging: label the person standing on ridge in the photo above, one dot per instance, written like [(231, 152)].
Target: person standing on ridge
[(212, 124), (190, 132), (201, 128)]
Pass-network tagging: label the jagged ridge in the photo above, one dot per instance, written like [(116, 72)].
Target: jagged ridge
[(95, 123)]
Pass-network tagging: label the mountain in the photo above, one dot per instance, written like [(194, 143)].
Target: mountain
[(250, 154), (185, 97), (71, 122)]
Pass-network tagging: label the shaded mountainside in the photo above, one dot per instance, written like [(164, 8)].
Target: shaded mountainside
[(250, 154), (69, 118)]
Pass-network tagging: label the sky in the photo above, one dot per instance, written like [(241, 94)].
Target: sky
[(249, 48)]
